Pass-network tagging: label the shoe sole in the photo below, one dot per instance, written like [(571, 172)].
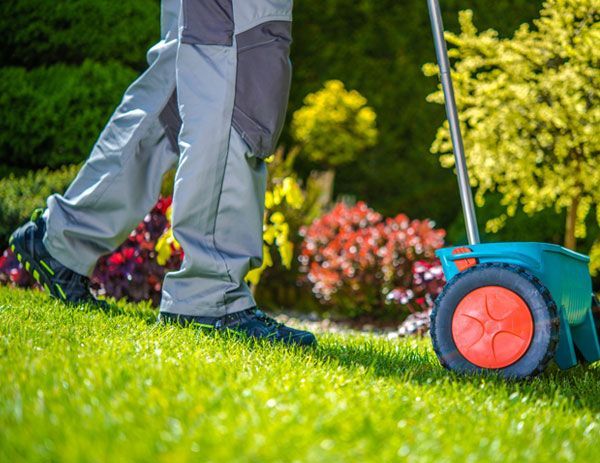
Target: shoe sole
[(38, 271)]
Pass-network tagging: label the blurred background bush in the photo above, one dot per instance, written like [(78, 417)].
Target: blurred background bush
[(65, 65), (374, 46), (46, 32), (20, 195), (53, 114)]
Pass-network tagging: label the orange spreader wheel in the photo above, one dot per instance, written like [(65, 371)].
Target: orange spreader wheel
[(492, 327)]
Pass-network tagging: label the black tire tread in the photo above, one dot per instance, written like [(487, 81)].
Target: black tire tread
[(550, 304)]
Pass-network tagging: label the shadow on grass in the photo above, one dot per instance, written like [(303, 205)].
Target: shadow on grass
[(580, 385), (411, 364), (142, 311)]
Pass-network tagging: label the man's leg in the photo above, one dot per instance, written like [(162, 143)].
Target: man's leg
[(233, 80), (120, 182)]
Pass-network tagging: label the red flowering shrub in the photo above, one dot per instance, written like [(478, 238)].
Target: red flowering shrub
[(359, 262), (13, 273), (131, 272)]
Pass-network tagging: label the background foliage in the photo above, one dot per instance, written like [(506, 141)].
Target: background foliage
[(21, 195), (334, 125), (378, 47), (45, 32), (357, 262), (530, 107), (375, 46), (52, 115), (64, 66)]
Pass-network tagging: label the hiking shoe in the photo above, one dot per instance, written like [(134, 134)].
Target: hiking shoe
[(253, 323), (61, 282)]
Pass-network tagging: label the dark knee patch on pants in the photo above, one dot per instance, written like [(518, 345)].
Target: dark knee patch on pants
[(263, 82), (207, 22), (171, 121)]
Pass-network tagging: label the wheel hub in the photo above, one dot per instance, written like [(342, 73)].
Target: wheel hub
[(492, 327)]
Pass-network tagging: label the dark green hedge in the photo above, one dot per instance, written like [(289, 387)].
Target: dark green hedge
[(374, 46), (42, 32), (51, 116), (21, 195)]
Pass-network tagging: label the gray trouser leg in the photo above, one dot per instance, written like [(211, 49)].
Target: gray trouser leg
[(120, 182), (233, 77), (232, 82)]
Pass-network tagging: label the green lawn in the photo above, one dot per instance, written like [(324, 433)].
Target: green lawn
[(83, 385)]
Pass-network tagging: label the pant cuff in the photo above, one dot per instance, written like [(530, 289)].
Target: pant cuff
[(185, 309)]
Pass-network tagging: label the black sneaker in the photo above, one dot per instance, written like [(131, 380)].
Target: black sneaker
[(253, 323), (61, 282)]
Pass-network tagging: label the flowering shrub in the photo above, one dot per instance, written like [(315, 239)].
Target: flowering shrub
[(13, 273), (334, 125), (166, 245), (133, 271), (360, 262), (282, 194)]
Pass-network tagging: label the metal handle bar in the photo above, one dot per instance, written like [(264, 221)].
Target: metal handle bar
[(466, 195)]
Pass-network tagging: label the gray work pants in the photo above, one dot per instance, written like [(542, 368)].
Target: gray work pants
[(212, 102)]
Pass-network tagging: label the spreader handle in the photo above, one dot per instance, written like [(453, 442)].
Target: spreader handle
[(466, 195)]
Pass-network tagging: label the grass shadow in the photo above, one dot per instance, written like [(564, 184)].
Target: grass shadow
[(413, 364), (579, 385), (137, 310)]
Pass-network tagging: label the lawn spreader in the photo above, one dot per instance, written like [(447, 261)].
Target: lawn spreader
[(509, 308)]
